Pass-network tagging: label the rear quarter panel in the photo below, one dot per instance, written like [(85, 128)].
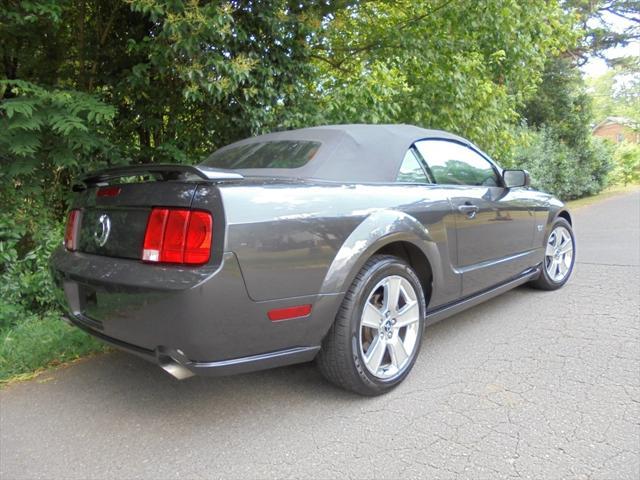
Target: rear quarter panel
[(309, 238)]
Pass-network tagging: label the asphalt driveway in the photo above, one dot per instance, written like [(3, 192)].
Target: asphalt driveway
[(531, 384)]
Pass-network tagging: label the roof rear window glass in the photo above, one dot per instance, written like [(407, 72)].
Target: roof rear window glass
[(276, 154)]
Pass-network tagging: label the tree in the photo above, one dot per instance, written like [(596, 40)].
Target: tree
[(168, 67), (160, 80), (463, 66), (85, 84), (595, 21), (561, 103), (617, 91)]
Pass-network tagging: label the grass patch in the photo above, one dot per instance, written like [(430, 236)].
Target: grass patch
[(35, 343), (606, 193)]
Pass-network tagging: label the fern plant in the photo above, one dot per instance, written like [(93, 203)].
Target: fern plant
[(50, 128)]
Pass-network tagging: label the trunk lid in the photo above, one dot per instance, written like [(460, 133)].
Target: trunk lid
[(115, 225), (115, 204)]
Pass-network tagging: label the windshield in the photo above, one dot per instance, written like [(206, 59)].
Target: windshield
[(276, 154)]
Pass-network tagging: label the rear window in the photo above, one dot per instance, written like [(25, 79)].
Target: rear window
[(276, 154)]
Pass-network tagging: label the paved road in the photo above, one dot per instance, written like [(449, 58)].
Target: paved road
[(532, 384)]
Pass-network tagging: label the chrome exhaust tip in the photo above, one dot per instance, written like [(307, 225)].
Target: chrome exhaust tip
[(176, 370), (172, 362)]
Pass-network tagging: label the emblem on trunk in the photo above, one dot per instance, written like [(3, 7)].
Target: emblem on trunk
[(103, 229)]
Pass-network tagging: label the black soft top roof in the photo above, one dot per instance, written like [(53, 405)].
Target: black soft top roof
[(351, 153)]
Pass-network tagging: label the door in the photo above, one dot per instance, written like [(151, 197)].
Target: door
[(432, 209), (494, 225)]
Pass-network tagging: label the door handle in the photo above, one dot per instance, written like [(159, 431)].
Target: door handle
[(469, 210)]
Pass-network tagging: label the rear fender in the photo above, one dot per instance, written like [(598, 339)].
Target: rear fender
[(377, 230)]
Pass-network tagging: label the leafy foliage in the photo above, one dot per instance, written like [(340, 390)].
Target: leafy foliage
[(557, 168), (595, 21), (461, 66), (617, 92), (564, 155), (25, 283), (42, 130), (627, 164), (561, 103), (31, 332)]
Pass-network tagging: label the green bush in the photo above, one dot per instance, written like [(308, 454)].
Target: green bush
[(25, 283), (626, 159), (32, 335), (565, 172), (596, 163)]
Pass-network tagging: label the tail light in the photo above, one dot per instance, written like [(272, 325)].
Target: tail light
[(178, 236), (71, 230)]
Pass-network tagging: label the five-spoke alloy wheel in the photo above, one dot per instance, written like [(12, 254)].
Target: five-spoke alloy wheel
[(376, 337), (389, 326), (559, 256)]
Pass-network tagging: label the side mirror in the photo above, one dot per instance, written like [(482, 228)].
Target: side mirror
[(516, 178)]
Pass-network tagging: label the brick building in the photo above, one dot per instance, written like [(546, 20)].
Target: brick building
[(618, 129)]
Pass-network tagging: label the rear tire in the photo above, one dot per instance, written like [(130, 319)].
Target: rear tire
[(377, 334), (559, 257)]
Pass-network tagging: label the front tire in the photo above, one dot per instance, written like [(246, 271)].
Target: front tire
[(559, 257), (377, 334)]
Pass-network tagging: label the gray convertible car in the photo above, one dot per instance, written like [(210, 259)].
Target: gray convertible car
[(334, 243)]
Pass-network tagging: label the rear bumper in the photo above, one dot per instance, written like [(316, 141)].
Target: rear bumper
[(176, 364), (200, 319)]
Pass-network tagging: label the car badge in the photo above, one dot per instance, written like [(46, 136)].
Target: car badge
[(101, 235)]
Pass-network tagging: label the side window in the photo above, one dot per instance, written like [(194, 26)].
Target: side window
[(411, 171), (454, 164)]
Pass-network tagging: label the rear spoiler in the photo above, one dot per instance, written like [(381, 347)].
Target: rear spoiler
[(162, 172)]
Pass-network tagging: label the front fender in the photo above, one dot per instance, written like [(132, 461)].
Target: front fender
[(377, 230), (556, 209)]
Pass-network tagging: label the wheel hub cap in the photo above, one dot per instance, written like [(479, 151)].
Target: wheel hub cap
[(559, 254), (389, 327)]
